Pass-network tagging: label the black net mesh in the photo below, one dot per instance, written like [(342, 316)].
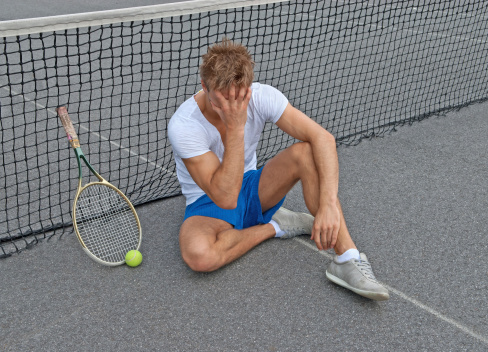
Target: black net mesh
[(359, 69)]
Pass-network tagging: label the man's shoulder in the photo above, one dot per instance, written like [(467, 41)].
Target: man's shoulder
[(261, 87), (265, 91), (185, 123), (186, 109), (185, 115), (268, 102)]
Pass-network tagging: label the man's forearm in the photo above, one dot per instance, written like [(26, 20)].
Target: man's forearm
[(227, 180), (327, 164)]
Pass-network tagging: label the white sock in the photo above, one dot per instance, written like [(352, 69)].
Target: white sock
[(278, 231), (352, 253)]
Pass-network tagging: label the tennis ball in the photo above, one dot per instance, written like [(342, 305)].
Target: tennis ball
[(133, 258)]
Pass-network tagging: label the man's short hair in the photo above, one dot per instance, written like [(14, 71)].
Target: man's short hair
[(226, 64)]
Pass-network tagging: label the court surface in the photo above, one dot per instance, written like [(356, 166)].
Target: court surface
[(415, 202)]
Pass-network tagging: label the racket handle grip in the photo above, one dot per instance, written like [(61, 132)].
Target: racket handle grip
[(68, 126)]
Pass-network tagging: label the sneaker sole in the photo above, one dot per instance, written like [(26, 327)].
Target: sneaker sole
[(377, 296)]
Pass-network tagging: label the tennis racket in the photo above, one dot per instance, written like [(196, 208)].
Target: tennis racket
[(104, 219)]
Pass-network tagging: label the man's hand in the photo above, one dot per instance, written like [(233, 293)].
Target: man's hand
[(232, 106), (326, 226)]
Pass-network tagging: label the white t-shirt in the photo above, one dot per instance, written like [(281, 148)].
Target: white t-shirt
[(192, 135)]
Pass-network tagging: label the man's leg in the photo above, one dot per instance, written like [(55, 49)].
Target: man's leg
[(278, 177), (282, 172), (208, 244)]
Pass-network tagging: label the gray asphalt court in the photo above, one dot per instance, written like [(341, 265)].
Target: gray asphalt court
[(415, 201)]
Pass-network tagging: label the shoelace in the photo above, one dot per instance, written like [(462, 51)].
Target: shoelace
[(365, 268), (299, 229)]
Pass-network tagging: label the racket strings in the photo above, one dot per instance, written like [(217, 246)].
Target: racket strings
[(106, 223)]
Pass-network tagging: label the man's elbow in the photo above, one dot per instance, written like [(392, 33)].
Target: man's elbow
[(225, 197), (228, 204), (320, 136), (329, 137)]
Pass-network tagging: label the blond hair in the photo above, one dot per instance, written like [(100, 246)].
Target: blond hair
[(226, 64)]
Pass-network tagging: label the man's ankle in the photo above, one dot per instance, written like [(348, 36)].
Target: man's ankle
[(351, 253)]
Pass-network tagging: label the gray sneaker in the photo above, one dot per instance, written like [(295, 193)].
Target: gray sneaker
[(357, 276), (293, 224)]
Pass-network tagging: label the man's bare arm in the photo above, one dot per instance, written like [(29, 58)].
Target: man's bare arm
[(222, 181), (327, 219)]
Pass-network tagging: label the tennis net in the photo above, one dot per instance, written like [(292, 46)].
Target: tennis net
[(358, 68)]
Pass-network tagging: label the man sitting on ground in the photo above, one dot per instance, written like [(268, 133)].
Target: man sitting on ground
[(231, 206)]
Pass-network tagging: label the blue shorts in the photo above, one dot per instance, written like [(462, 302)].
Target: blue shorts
[(248, 211)]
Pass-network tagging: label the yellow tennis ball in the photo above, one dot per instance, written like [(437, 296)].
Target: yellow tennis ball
[(133, 258)]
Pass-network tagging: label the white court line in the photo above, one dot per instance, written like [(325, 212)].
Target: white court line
[(415, 302), (433, 34), (415, 8), (420, 32), (97, 134)]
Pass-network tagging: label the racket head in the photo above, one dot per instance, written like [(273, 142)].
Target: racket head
[(106, 223)]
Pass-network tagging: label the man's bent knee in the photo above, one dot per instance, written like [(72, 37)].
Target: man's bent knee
[(200, 258), (302, 154), (301, 150), (197, 234)]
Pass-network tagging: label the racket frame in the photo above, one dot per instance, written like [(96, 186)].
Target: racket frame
[(75, 144)]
